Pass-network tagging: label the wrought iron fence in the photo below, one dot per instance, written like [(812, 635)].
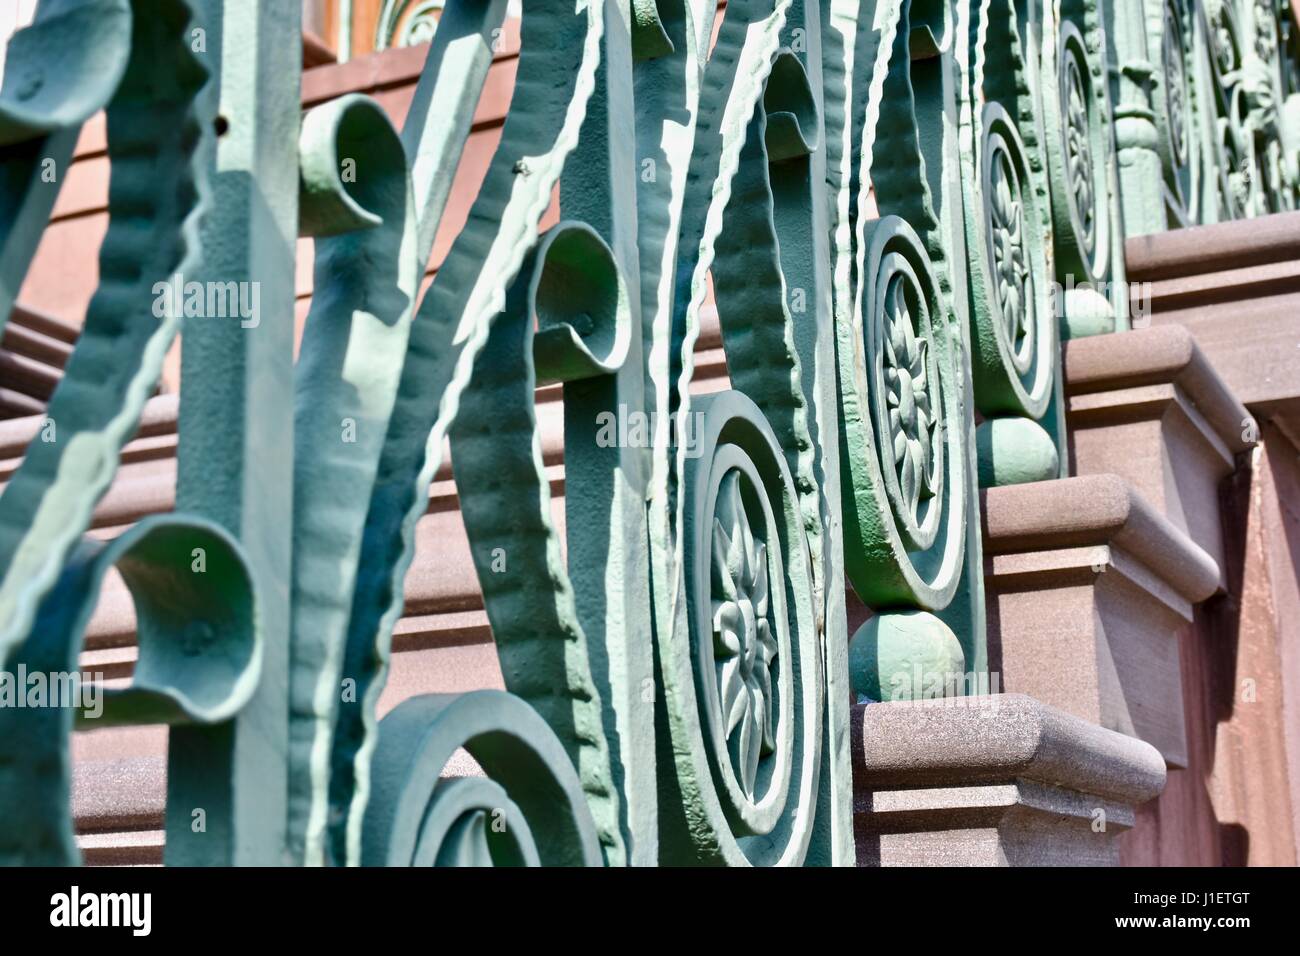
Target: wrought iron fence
[(898, 209)]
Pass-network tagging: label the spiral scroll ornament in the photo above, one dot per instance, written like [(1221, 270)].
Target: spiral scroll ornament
[(903, 424), (748, 506), (1177, 103), (407, 22), (1224, 38), (1078, 152), (1264, 83), (150, 88), (1277, 103), (1079, 170), (909, 401), (199, 661), (744, 641), (526, 809), (420, 26), (1238, 180), (744, 678), (1177, 97), (1014, 349), (1006, 235)]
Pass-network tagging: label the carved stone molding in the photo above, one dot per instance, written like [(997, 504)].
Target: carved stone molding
[(1090, 592), (999, 780), (1150, 408)]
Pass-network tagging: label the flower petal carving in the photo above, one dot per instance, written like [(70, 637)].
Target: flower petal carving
[(744, 645)]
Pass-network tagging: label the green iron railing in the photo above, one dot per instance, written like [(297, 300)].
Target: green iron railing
[(898, 209)]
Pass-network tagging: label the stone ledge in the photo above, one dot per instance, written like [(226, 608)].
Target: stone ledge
[(1226, 245), (1092, 510), (994, 780), (1236, 287), (1163, 355), (1155, 412), (998, 738), (1090, 591)]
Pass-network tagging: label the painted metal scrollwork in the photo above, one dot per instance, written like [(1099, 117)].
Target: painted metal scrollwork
[(904, 359), (905, 431), (1010, 241), (744, 682), (153, 121), (1081, 158), (746, 215), (1079, 163), (744, 649), (911, 412), (528, 810), (1014, 341), (877, 197), (1178, 97), (1181, 108), (407, 22), (1221, 98)]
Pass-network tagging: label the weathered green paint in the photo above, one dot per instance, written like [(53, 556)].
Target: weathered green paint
[(417, 819), (1087, 312), (906, 655), (898, 208), (607, 526), (566, 319), (1014, 450), (357, 332), (911, 525), (154, 128), (200, 661), (1217, 79), (236, 425), (85, 46), (1133, 79)]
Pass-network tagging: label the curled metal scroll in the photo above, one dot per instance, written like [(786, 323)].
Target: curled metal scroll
[(1182, 104), (566, 319), (156, 140), (200, 650), (1079, 157), (346, 379), (743, 682), (1270, 109), (1225, 110), (750, 285), (707, 574), (1014, 342), (59, 71), (529, 810), (449, 331), (752, 787), (903, 420), (903, 414)]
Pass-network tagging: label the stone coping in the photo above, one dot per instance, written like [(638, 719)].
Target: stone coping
[(1162, 355), (1236, 287), (1213, 248), (998, 738), (1096, 510)]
